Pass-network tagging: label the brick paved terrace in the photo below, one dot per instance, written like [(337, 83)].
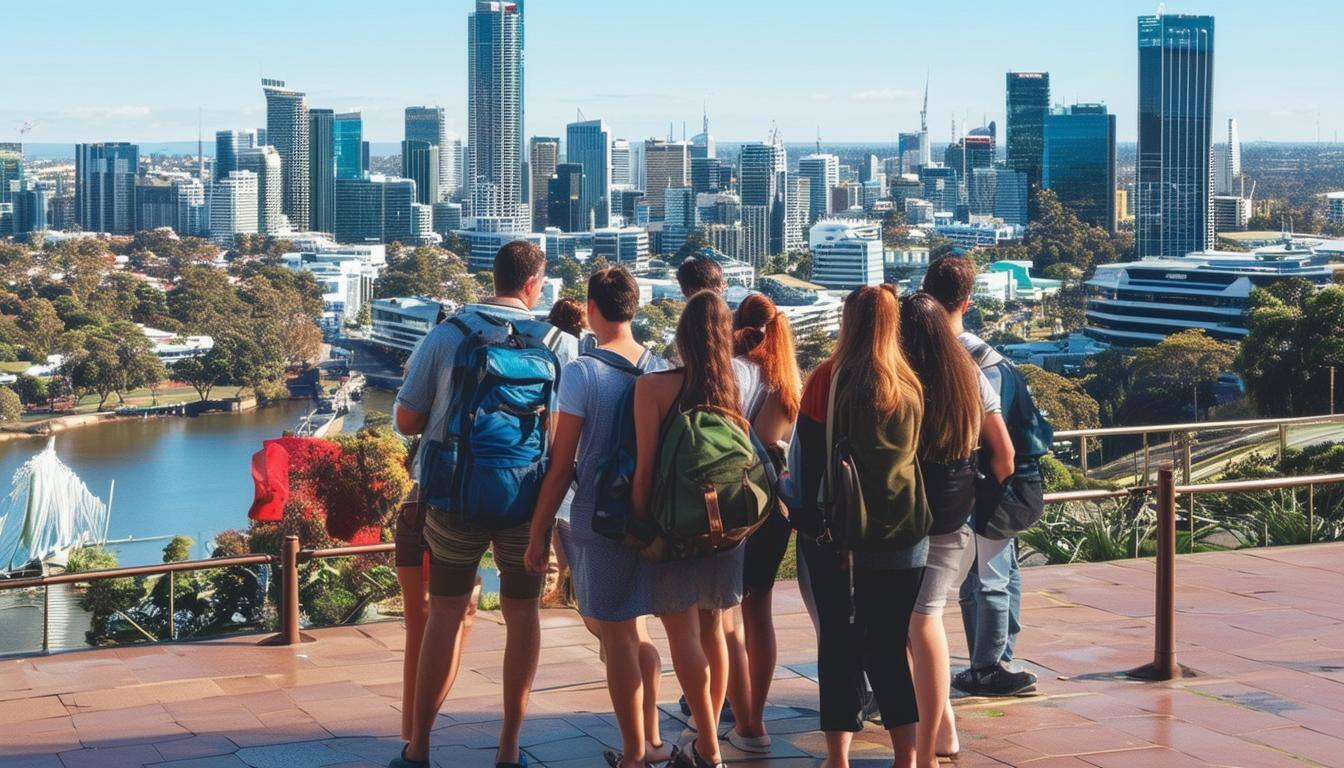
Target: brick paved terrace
[(1263, 631)]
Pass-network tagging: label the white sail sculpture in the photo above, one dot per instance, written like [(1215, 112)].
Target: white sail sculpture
[(48, 512)]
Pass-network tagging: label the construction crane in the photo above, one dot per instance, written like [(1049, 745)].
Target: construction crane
[(26, 126)]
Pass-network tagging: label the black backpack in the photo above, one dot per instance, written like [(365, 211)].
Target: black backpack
[(616, 468)]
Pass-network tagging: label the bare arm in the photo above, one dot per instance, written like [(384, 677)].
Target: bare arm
[(772, 424), (647, 420), (564, 447), (410, 422), (994, 437)]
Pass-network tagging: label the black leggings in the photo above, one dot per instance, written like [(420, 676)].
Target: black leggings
[(874, 644)]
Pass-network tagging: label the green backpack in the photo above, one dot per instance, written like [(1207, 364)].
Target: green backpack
[(711, 490), (874, 487)]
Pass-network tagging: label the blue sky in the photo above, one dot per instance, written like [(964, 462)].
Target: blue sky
[(139, 70)]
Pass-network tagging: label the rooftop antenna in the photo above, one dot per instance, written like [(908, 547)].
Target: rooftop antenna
[(580, 114), (924, 111), (704, 108), (683, 130), (200, 149), (818, 139), (670, 136)]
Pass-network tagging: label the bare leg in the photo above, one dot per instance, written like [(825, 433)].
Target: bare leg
[(759, 625), (931, 669), (625, 684), (715, 644), (436, 671), (415, 598), (522, 648), (837, 749), (739, 670), (693, 673), (903, 744), (651, 673)]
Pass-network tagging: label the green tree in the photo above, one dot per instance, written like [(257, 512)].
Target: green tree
[(364, 317), (82, 263), (106, 598), (204, 371), (31, 390), (40, 327), (204, 301), (177, 549), (656, 322), (11, 406), (695, 241), (427, 271), (813, 349), (1181, 369), (1063, 401), (1106, 378), (1294, 337)]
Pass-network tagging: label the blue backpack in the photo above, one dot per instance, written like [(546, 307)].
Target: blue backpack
[(616, 468), (487, 468)]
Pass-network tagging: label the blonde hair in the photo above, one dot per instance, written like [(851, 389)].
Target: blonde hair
[(868, 354)]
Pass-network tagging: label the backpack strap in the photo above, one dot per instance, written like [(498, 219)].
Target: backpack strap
[(614, 360), (645, 360), (982, 354), (826, 493)]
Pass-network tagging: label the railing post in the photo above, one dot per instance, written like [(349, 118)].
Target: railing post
[(1311, 509), (289, 595), (1164, 666), (1145, 459), (1283, 441), (172, 610), (1082, 453), (46, 619)]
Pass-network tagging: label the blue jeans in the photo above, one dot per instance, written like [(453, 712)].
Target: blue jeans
[(991, 602)]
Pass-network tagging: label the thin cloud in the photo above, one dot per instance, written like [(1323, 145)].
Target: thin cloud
[(883, 94), (820, 97), (121, 110)]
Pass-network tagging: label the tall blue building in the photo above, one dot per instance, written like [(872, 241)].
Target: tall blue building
[(588, 143), (428, 124), (11, 170), (1080, 162), (495, 108), (1028, 102), (347, 136), (228, 144), (420, 163), (374, 209), (105, 187), (564, 198), (1173, 208)]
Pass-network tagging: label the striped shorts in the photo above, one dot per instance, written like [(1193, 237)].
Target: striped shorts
[(456, 548)]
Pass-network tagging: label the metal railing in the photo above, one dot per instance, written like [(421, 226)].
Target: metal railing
[(1164, 666), (1186, 431)]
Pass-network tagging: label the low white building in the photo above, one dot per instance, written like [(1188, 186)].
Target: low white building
[(171, 347), (846, 254), (345, 274), (401, 323), (627, 245), (980, 234)]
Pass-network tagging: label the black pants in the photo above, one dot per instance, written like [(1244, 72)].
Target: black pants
[(873, 644)]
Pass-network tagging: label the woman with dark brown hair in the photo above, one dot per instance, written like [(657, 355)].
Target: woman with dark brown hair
[(763, 339), (861, 413), (961, 410), (689, 596)]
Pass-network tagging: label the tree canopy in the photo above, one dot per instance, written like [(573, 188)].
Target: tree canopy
[(1295, 336)]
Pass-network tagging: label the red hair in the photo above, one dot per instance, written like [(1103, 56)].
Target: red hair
[(761, 334)]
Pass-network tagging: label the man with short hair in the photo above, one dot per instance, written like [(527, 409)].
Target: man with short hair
[(991, 596), (700, 273), (456, 546)]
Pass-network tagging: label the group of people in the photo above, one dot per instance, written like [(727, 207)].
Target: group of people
[(919, 413)]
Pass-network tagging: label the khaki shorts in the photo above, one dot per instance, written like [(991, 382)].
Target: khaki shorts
[(456, 548)]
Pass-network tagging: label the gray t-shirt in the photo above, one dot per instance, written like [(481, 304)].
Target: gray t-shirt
[(428, 385), (991, 384)]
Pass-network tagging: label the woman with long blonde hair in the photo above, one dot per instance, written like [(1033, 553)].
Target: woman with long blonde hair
[(861, 412)]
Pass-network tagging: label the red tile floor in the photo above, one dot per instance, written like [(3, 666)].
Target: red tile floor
[(1263, 630)]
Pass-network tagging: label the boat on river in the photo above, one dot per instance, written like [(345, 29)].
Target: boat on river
[(48, 513)]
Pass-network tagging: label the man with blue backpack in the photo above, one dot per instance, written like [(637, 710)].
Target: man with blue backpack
[(481, 389), (991, 597)]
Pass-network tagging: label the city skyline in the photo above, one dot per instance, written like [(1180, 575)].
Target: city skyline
[(863, 95)]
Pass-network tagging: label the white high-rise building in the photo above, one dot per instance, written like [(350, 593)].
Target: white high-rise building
[(620, 164), (797, 202), (823, 171), (265, 163), (233, 207), (287, 126), (846, 254), (495, 109)]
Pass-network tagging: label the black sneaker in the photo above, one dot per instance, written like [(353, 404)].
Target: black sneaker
[(963, 680), (869, 712), (725, 717), (999, 680)]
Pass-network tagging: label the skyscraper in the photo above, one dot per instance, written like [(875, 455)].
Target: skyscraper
[(798, 199), (543, 152), (620, 164), (374, 209), (564, 198), (287, 130), (822, 172), (347, 138), (1079, 162), (420, 163), (666, 164), (265, 165), (1227, 162), (233, 207), (427, 124), (702, 143), (705, 174), (11, 170), (227, 146), (322, 169), (1172, 206), (495, 108), (1028, 102), (679, 218), (105, 187), (588, 143), (761, 181)]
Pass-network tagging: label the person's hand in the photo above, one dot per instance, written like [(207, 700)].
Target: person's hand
[(538, 556), (633, 542)]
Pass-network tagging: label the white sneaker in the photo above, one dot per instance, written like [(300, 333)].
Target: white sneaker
[(757, 745)]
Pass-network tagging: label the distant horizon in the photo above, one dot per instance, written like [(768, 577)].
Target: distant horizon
[(857, 75)]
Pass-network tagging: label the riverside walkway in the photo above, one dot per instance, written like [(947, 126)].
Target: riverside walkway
[(1263, 631)]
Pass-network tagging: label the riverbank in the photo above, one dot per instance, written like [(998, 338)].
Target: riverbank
[(52, 425)]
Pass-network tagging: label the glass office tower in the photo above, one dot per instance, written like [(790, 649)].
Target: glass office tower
[(1173, 209), (347, 136), (321, 169), (588, 143), (287, 130), (1028, 102), (495, 108), (1080, 162)]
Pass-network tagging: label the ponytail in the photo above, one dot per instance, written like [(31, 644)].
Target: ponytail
[(762, 334)]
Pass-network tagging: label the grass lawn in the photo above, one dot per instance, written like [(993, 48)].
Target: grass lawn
[(15, 367), (165, 396)]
